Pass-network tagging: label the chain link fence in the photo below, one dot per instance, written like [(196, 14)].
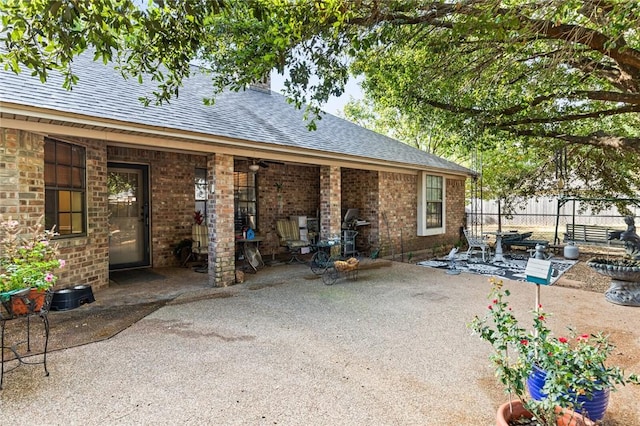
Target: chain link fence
[(541, 216)]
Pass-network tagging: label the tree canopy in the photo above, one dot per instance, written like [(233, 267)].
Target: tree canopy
[(553, 75)]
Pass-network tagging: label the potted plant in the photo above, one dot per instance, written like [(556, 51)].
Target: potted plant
[(198, 218), (551, 379), (28, 260)]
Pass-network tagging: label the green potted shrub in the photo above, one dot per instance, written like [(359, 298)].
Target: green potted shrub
[(28, 261), (573, 370)]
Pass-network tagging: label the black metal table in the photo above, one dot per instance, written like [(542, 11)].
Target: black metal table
[(18, 309)]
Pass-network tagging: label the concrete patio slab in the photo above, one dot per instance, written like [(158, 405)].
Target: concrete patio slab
[(391, 348)]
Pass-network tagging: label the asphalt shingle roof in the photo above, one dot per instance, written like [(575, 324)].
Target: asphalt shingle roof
[(250, 115)]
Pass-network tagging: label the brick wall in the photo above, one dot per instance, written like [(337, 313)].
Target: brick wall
[(221, 213), (93, 253), (21, 176), (456, 215), (330, 201), (22, 165), (88, 257), (172, 196), (387, 200), (302, 190), (360, 191), (398, 210), (283, 191)]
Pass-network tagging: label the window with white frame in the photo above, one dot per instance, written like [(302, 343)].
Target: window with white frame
[(431, 205)]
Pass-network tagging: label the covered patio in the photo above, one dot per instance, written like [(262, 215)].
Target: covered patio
[(122, 182)]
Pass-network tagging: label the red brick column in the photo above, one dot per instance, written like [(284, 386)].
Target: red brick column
[(220, 211), (330, 201)]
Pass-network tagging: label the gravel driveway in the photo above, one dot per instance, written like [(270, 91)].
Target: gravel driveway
[(391, 348)]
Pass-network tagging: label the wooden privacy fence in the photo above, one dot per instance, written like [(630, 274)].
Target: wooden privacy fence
[(544, 212)]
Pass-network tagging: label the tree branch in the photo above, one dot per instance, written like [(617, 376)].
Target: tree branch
[(434, 14), (518, 108), (627, 98), (567, 118), (529, 120), (598, 139)]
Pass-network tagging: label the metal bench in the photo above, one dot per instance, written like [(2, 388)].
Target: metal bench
[(593, 235)]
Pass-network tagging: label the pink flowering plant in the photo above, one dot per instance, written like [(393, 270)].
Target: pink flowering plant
[(575, 364), (28, 257)]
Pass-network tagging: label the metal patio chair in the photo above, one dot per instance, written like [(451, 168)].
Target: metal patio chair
[(199, 245), (477, 242), (289, 235)]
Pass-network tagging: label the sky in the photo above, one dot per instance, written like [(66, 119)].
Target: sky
[(335, 105)]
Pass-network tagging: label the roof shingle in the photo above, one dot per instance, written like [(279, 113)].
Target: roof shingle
[(250, 115)]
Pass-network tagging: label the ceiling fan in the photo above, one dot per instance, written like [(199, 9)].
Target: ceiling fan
[(257, 163)]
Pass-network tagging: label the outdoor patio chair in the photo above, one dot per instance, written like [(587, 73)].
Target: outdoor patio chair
[(477, 242), (199, 245), (289, 235)]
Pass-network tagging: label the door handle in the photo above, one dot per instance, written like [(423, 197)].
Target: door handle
[(145, 214)]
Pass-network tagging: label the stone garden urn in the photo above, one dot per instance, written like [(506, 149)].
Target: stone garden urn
[(625, 272), (625, 279)]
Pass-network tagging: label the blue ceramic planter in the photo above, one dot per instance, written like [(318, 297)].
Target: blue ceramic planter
[(593, 408)]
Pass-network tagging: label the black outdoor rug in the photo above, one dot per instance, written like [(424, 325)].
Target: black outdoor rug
[(134, 276), (511, 269)]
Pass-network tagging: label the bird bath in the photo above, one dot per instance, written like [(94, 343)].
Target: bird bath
[(624, 273), (625, 279)]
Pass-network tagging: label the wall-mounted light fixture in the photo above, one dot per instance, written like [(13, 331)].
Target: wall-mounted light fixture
[(254, 168)]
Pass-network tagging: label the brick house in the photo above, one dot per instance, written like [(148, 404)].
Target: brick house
[(122, 181)]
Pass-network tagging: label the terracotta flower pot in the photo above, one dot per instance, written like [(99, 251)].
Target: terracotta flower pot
[(511, 411), (515, 410), (32, 302), (571, 418)]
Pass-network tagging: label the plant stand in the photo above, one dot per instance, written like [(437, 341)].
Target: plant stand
[(23, 318)]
